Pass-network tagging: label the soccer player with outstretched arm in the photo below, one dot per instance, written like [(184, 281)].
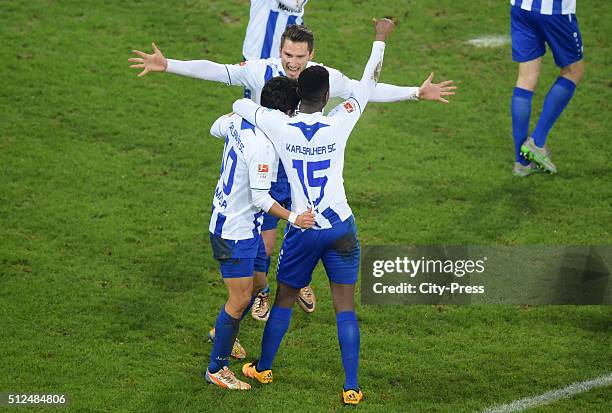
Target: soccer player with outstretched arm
[(296, 52), (311, 146), (240, 198)]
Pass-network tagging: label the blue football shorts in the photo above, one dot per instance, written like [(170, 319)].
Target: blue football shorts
[(239, 258), (531, 31), (337, 247)]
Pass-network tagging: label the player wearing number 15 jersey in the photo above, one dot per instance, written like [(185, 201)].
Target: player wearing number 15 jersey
[(311, 146)]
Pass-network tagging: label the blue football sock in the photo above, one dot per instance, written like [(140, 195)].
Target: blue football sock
[(276, 327), (348, 337), (226, 329), (521, 113), (266, 289), (556, 100)]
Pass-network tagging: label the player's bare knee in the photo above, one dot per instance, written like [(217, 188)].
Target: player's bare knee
[(285, 295), (343, 297), (528, 81), (574, 72), (239, 302)]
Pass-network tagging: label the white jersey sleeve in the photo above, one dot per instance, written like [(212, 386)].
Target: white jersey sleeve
[(271, 122), (219, 127), (259, 163), (259, 160), (342, 86), (200, 69), (348, 112), (249, 74)]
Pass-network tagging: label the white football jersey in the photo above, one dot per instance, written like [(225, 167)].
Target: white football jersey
[(267, 22), (547, 6), (311, 146), (245, 165)]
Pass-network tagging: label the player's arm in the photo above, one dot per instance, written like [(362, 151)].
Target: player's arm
[(363, 90), (259, 178), (271, 122), (199, 69), (219, 127), (343, 86)]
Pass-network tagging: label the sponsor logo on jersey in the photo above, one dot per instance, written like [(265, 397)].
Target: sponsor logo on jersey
[(349, 107), (263, 168), (282, 7)]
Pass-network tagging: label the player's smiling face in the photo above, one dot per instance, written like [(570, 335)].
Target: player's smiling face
[(294, 57)]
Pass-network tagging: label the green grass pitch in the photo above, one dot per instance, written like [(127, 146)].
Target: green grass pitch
[(107, 282)]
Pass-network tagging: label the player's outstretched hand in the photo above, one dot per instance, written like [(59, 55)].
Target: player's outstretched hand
[(383, 28), (305, 220), (436, 91), (155, 62)]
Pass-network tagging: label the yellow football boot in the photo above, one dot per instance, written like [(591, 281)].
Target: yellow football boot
[(250, 370), (351, 396)]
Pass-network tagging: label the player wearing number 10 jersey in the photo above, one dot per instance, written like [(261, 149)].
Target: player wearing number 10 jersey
[(311, 146), (240, 198)]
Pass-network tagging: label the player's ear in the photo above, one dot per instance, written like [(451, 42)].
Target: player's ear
[(311, 56)]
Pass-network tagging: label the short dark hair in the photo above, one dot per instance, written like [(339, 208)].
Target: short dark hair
[(313, 84), (298, 33), (280, 93)]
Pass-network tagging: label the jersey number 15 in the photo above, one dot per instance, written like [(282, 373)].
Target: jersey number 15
[(313, 182)]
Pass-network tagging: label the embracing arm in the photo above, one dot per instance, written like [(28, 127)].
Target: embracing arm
[(219, 127), (199, 69), (263, 200), (270, 121)]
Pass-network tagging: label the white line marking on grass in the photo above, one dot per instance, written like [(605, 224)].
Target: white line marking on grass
[(489, 41), (551, 396)]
